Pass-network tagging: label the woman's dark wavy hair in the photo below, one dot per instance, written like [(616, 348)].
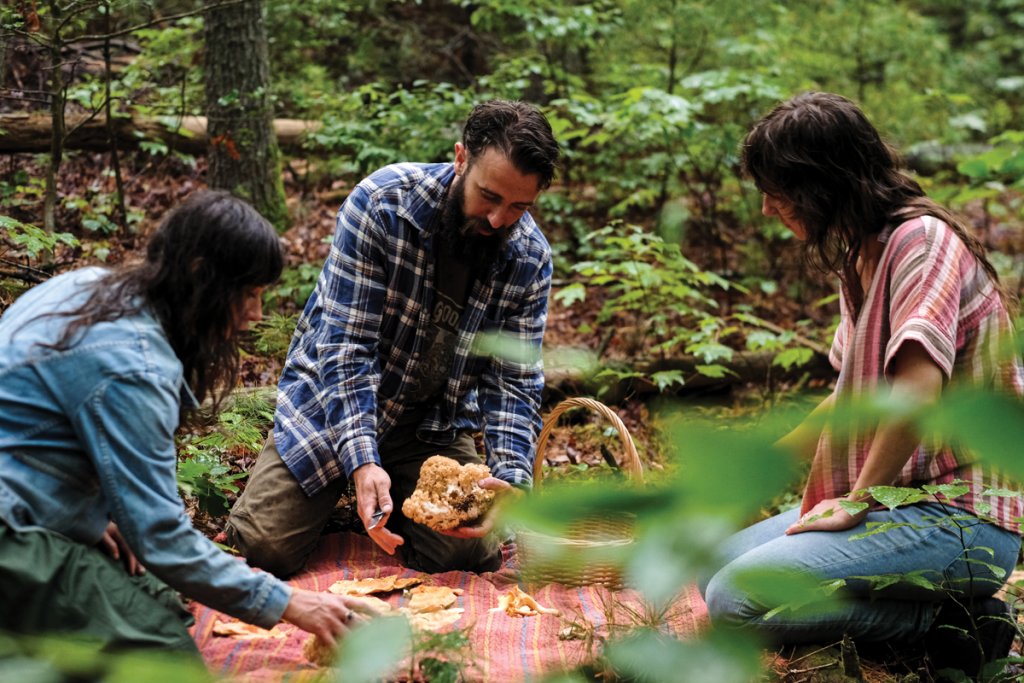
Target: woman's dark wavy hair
[(819, 152), (517, 129), (198, 267)]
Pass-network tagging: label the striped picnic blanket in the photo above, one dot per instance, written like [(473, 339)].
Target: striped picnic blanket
[(505, 649)]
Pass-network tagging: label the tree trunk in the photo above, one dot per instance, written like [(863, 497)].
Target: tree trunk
[(243, 155), (57, 122)]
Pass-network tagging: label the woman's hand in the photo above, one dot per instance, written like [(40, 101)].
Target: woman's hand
[(827, 516), (486, 524), (326, 615), (113, 544)]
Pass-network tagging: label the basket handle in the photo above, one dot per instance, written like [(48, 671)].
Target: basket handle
[(632, 461)]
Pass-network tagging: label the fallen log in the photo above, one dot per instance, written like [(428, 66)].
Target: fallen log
[(561, 381), (30, 132), (746, 367)]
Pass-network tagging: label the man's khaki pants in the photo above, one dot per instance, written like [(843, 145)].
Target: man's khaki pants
[(276, 526)]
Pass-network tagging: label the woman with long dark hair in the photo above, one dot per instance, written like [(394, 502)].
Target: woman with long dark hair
[(97, 369), (921, 308)]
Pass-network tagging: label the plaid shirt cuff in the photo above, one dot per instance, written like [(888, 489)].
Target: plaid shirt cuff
[(359, 451), (516, 476)]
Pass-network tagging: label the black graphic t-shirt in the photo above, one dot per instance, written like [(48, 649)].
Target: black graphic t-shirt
[(451, 282)]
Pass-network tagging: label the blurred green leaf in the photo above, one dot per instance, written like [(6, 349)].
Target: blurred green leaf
[(373, 651), (570, 294), (728, 472), (786, 591), (719, 657), (505, 346), (989, 423)]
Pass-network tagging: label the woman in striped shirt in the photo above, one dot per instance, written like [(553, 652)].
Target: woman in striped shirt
[(922, 308)]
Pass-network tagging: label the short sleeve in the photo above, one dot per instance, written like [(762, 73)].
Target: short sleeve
[(923, 264), (835, 354)]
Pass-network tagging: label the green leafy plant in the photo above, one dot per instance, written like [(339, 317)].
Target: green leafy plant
[(377, 125), (203, 473), (656, 295), (294, 286), (33, 241), (273, 334), (202, 476)]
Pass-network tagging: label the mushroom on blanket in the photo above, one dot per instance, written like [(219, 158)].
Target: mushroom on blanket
[(517, 603)]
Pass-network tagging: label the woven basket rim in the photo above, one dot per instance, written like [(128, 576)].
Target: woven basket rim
[(631, 462), (562, 541)]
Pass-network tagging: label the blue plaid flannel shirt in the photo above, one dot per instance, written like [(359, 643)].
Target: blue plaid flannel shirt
[(358, 341)]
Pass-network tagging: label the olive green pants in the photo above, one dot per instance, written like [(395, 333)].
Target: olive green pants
[(276, 526), (50, 584)]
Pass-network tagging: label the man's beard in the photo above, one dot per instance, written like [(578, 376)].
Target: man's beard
[(460, 236)]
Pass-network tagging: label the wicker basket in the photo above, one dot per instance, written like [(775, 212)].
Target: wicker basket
[(575, 559)]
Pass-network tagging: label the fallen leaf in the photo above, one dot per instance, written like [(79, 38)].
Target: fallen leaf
[(381, 584), (431, 598), (243, 631)]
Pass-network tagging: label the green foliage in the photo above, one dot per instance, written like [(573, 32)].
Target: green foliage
[(98, 210), (995, 177), (651, 656), (377, 650), (202, 471), (376, 125), (28, 659), (657, 293), (31, 240), (202, 475), (991, 424), (648, 281), (373, 651), (295, 286), (273, 334)]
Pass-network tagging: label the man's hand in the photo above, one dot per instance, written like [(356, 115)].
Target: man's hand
[(113, 544), (826, 516), (486, 524), (326, 615), (373, 492)]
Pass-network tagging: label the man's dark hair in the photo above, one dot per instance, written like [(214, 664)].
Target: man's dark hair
[(199, 263), (519, 131), (821, 153)]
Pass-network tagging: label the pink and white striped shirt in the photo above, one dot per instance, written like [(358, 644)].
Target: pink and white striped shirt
[(928, 288)]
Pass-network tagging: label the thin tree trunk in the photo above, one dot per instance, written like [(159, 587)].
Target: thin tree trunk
[(115, 157), (57, 126), (243, 154)]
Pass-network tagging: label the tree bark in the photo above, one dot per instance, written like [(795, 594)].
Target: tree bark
[(57, 125), (243, 155)]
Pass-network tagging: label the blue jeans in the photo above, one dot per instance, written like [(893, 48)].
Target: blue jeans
[(901, 612)]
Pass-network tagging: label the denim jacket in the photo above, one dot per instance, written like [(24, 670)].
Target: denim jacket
[(87, 436)]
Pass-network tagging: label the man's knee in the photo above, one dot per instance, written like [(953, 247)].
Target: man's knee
[(449, 554), (266, 551)]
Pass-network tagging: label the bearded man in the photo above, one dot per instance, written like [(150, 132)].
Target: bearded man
[(385, 368)]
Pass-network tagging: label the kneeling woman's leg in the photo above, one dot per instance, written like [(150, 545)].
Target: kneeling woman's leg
[(943, 545), (50, 584)]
